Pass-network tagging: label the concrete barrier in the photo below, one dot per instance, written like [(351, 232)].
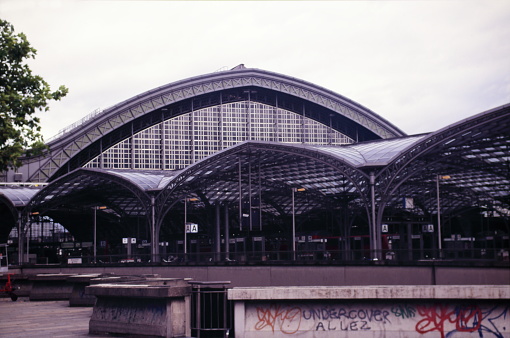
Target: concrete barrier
[(372, 311), (154, 307), (50, 287), (80, 282)]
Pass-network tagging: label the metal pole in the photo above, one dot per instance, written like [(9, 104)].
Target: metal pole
[(20, 238), (185, 223), (227, 233), (293, 227), (439, 245), (240, 197), (95, 233), (154, 240), (373, 228), (217, 233)]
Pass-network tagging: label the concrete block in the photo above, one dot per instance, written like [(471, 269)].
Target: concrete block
[(50, 287), (80, 298), (154, 307)]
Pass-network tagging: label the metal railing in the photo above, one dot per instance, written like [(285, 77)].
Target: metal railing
[(299, 257), (212, 314)]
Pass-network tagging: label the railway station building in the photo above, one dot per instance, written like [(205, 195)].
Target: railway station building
[(248, 165)]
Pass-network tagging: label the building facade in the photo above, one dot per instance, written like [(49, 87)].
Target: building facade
[(262, 163)]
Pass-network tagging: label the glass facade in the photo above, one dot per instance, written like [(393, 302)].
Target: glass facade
[(186, 139)]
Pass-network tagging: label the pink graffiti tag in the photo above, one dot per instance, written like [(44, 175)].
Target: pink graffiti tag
[(467, 319), (287, 320)]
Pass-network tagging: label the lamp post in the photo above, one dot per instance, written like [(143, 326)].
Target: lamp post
[(294, 222), (95, 229)]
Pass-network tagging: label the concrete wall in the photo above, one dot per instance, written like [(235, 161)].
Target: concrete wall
[(306, 275), (396, 311)]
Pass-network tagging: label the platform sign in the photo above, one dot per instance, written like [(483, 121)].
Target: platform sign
[(191, 228), (384, 228), (408, 202), (427, 228), (74, 260)]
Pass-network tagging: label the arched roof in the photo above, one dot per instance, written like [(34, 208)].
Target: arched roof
[(75, 147), (473, 155), (123, 191), (12, 201)]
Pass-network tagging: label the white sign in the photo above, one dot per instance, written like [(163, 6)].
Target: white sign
[(191, 228), (125, 241), (408, 203), (74, 261), (133, 240), (428, 228), (385, 228)]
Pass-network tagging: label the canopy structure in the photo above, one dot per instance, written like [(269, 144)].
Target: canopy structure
[(249, 154), (13, 199)]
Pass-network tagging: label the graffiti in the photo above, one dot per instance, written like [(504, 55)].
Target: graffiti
[(403, 311), (343, 326), (490, 318), (286, 320), (469, 318), (443, 320), (333, 313)]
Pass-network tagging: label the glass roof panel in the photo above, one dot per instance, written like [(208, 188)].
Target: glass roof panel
[(379, 152), (19, 196), (146, 179)]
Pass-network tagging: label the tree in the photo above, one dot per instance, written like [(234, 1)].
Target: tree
[(22, 94)]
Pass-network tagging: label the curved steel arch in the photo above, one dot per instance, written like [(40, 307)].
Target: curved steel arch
[(8, 221), (14, 199), (167, 197), (147, 109), (449, 148), (74, 183), (446, 141)]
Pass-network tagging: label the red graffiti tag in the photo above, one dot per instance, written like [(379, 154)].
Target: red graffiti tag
[(466, 319), (287, 320)]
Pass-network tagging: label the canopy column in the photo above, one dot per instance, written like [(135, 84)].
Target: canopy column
[(154, 233), (217, 232)]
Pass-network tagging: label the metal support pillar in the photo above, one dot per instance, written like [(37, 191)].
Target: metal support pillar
[(154, 232), (293, 226), (373, 227), (20, 238), (217, 233), (95, 235), (439, 241), (185, 227), (227, 233)]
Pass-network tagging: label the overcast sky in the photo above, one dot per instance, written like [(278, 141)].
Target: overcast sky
[(419, 64)]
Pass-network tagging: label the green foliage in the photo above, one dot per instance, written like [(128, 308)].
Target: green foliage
[(22, 94)]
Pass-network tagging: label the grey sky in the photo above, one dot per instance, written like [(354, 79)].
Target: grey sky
[(419, 64)]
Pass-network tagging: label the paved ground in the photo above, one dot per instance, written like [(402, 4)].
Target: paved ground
[(24, 318)]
